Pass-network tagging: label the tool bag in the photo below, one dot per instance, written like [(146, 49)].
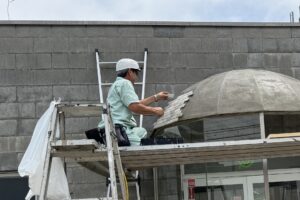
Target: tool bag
[(99, 135)]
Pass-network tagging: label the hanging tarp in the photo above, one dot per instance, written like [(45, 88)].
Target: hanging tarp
[(32, 164)]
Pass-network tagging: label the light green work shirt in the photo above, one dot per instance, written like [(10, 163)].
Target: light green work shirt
[(121, 94)]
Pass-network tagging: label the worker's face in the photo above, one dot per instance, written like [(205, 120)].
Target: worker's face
[(133, 75)]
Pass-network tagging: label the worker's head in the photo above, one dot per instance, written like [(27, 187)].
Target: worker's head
[(127, 67)]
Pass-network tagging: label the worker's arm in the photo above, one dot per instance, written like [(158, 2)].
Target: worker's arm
[(157, 97), (141, 109)]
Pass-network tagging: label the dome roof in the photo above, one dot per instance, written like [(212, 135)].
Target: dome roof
[(241, 91)]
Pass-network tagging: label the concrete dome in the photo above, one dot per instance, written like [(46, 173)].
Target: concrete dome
[(242, 91)]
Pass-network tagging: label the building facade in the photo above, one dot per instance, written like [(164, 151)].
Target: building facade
[(42, 60)]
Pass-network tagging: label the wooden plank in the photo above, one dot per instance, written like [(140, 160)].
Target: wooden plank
[(72, 145), (81, 110), (284, 135)]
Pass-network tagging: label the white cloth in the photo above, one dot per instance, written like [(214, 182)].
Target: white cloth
[(32, 163)]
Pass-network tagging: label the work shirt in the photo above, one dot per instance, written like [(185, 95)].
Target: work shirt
[(120, 96)]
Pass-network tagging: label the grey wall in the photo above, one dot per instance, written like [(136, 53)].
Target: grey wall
[(43, 60)]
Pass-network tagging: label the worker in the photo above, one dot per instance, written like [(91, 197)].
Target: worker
[(123, 101)]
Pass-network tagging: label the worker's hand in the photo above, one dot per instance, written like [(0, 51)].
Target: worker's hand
[(162, 95), (158, 111)]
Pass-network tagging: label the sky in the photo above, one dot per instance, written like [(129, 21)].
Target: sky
[(151, 10)]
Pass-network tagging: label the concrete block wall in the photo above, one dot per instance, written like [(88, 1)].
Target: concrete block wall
[(43, 60)]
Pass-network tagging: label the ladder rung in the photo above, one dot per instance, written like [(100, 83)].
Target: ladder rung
[(108, 84), (108, 63)]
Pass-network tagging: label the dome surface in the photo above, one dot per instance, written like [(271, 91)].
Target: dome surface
[(236, 92)]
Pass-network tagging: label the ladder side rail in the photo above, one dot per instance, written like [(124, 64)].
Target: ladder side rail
[(117, 157), (48, 159), (110, 155), (144, 82), (99, 76)]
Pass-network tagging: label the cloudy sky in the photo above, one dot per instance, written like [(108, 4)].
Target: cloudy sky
[(151, 10)]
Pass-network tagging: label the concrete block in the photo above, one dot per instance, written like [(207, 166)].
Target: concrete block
[(192, 75), (33, 31), (254, 45), (76, 125), (43, 61), (34, 93), (7, 61), (209, 46), (71, 93), (246, 32), (59, 60), (161, 75), (240, 45), (10, 163), (223, 32), (270, 60), (7, 31), (134, 31), (297, 45), (26, 126), (78, 44), (93, 122), (103, 31), (11, 77), (25, 61), (153, 44), (295, 32), (285, 45), (240, 60), (169, 32), (8, 94), (77, 60), (178, 60), (81, 191), (59, 31), (76, 31), (89, 76), (225, 60), (285, 60), (93, 93), (24, 77), (158, 60), (224, 45), (43, 45), (60, 45), (113, 44), (27, 110), (40, 108), (200, 32), (276, 32), (255, 60), (51, 77), (5, 144), (33, 61), (82, 175), (296, 73), (187, 45), (9, 110), (22, 143), (269, 45), (8, 127), (296, 60), (16, 45)]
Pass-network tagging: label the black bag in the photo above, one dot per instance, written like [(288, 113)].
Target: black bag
[(99, 135)]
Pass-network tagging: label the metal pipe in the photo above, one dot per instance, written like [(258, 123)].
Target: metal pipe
[(265, 161), (99, 77), (144, 82)]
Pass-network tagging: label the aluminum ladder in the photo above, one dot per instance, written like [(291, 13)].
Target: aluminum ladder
[(112, 144)]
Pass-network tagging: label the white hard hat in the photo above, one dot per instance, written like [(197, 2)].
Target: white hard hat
[(127, 63)]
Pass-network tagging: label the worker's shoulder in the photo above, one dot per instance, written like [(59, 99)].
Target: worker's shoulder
[(122, 81)]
